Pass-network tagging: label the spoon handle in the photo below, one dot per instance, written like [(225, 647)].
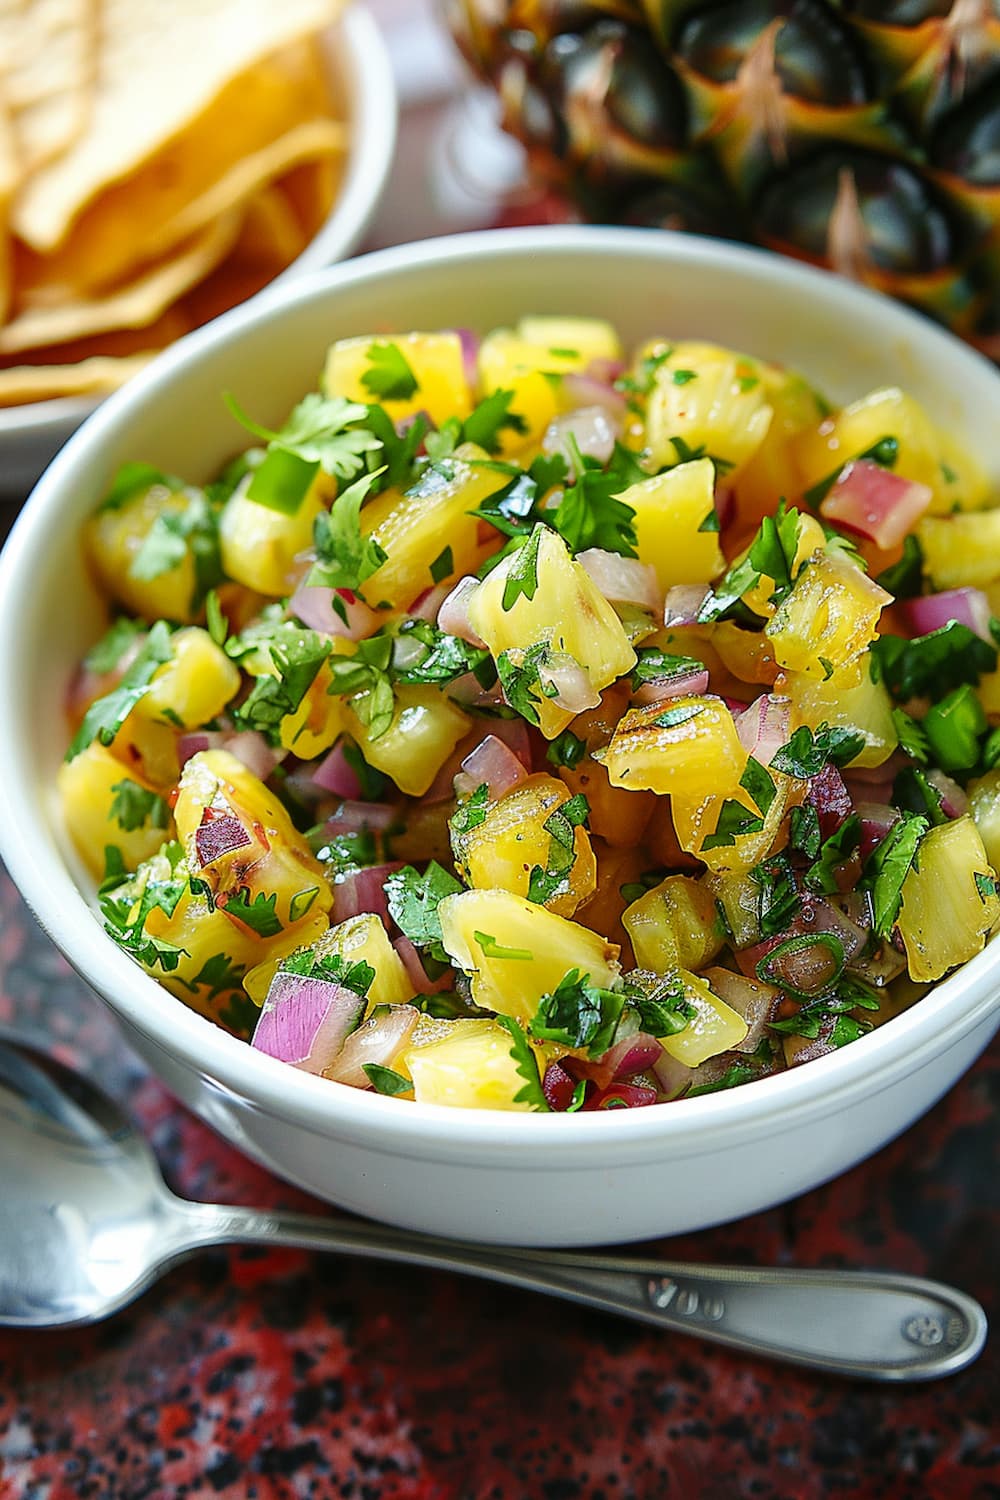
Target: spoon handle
[(876, 1325)]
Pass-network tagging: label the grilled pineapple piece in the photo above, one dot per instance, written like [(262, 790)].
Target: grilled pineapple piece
[(424, 731), (961, 551), (950, 900), (713, 1026), (704, 400), (829, 617), (684, 745), (358, 939), (674, 926), (517, 952), (115, 538), (434, 363), (194, 686), (849, 698), (468, 1066)]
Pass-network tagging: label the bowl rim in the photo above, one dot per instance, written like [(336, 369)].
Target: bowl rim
[(373, 118), (906, 1043)]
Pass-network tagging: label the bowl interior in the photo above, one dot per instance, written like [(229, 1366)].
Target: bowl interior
[(268, 355)]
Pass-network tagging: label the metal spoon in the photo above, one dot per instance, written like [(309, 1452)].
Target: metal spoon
[(87, 1223)]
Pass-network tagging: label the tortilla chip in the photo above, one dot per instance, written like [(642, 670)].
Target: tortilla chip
[(311, 189), (95, 376), (160, 68), (48, 56), (8, 183), (271, 235), (135, 304), (262, 123)]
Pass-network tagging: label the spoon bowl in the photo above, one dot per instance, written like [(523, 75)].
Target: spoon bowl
[(87, 1223)]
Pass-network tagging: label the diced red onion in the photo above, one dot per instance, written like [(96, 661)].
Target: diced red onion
[(470, 354), (605, 370), (492, 763), (305, 1021), (967, 606), (763, 727), (427, 605), (755, 1001), (591, 389), (335, 774), (590, 429), (875, 503), (617, 1095), (622, 580), (315, 607), (725, 503), (876, 820), (633, 1054), (362, 891), (219, 836), (253, 750), (736, 705), (954, 802), (574, 690), (355, 817), (378, 1040), (828, 794), (558, 1086), (194, 744), (692, 684), (682, 603), (516, 736), (453, 616), (416, 973), (469, 691)]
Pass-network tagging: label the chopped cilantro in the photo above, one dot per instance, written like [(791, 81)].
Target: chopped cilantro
[(527, 1065), (758, 783), (413, 905), (641, 382), (296, 655), (399, 449), (357, 975), (930, 665), (887, 867), (472, 811), (385, 1080), (670, 718), (345, 557), (133, 806), (778, 900), (590, 515), (134, 479), (106, 715), (519, 673), (681, 377), (389, 376), (771, 554), (914, 791), (904, 578), (804, 833), (953, 727), (522, 575), (662, 1008), (832, 853), (560, 826), (109, 650), (566, 750), (490, 948), (364, 677), (736, 1074), (807, 752), (442, 565), (218, 624), (578, 1014), (257, 913), (423, 653), (320, 431), (735, 820), (654, 665), (912, 740), (484, 424)]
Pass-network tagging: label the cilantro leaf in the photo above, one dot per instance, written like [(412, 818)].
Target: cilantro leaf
[(931, 665), (134, 479), (771, 554), (589, 515), (527, 1066), (257, 913), (806, 753), (175, 535), (654, 665), (472, 811), (485, 422), (109, 650), (364, 677), (389, 376), (320, 432), (490, 948), (758, 783), (296, 655), (345, 557), (735, 820), (357, 975), (106, 715), (519, 673), (566, 750), (133, 806), (522, 575), (904, 579), (560, 825), (385, 1080), (423, 653), (833, 851), (887, 867), (778, 900), (413, 905), (442, 565), (578, 1014)]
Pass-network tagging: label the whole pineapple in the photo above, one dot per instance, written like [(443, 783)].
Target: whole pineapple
[(858, 134)]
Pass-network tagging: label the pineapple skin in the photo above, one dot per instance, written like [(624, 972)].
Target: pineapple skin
[(851, 135)]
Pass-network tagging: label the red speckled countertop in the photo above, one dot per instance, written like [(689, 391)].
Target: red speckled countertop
[(247, 1374)]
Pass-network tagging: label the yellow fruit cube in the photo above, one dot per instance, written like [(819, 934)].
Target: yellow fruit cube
[(468, 1067), (413, 529), (520, 835), (562, 610), (360, 368), (961, 551), (710, 400), (705, 826), (674, 926), (530, 362), (358, 939), (683, 745), (829, 616), (568, 341), (425, 729), (114, 539), (671, 512), (713, 1026), (516, 952), (260, 546), (950, 900), (194, 686), (103, 806), (850, 699)]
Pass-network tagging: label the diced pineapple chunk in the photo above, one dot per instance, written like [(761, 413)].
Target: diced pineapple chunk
[(269, 884), (829, 616), (961, 551), (358, 939), (517, 952), (564, 611), (435, 360), (984, 808), (709, 399), (469, 1067), (674, 926), (100, 808), (319, 719), (424, 731), (259, 546), (713, 1026), (684, 745), (413, 529), (924, 453), (530, 361), (194, 686), (616, 815), (571, 340), (513, 840), (849, 698), (114, 539), (697, 823), (950, 900), (771, 474), (671, 512)]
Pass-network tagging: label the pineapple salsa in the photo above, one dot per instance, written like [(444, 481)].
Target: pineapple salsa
[(531, 724)]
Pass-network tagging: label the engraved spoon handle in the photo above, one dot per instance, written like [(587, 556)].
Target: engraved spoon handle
[(876, 1325)]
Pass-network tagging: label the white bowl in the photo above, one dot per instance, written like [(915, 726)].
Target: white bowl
[(511, 1178), (31, 435)]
